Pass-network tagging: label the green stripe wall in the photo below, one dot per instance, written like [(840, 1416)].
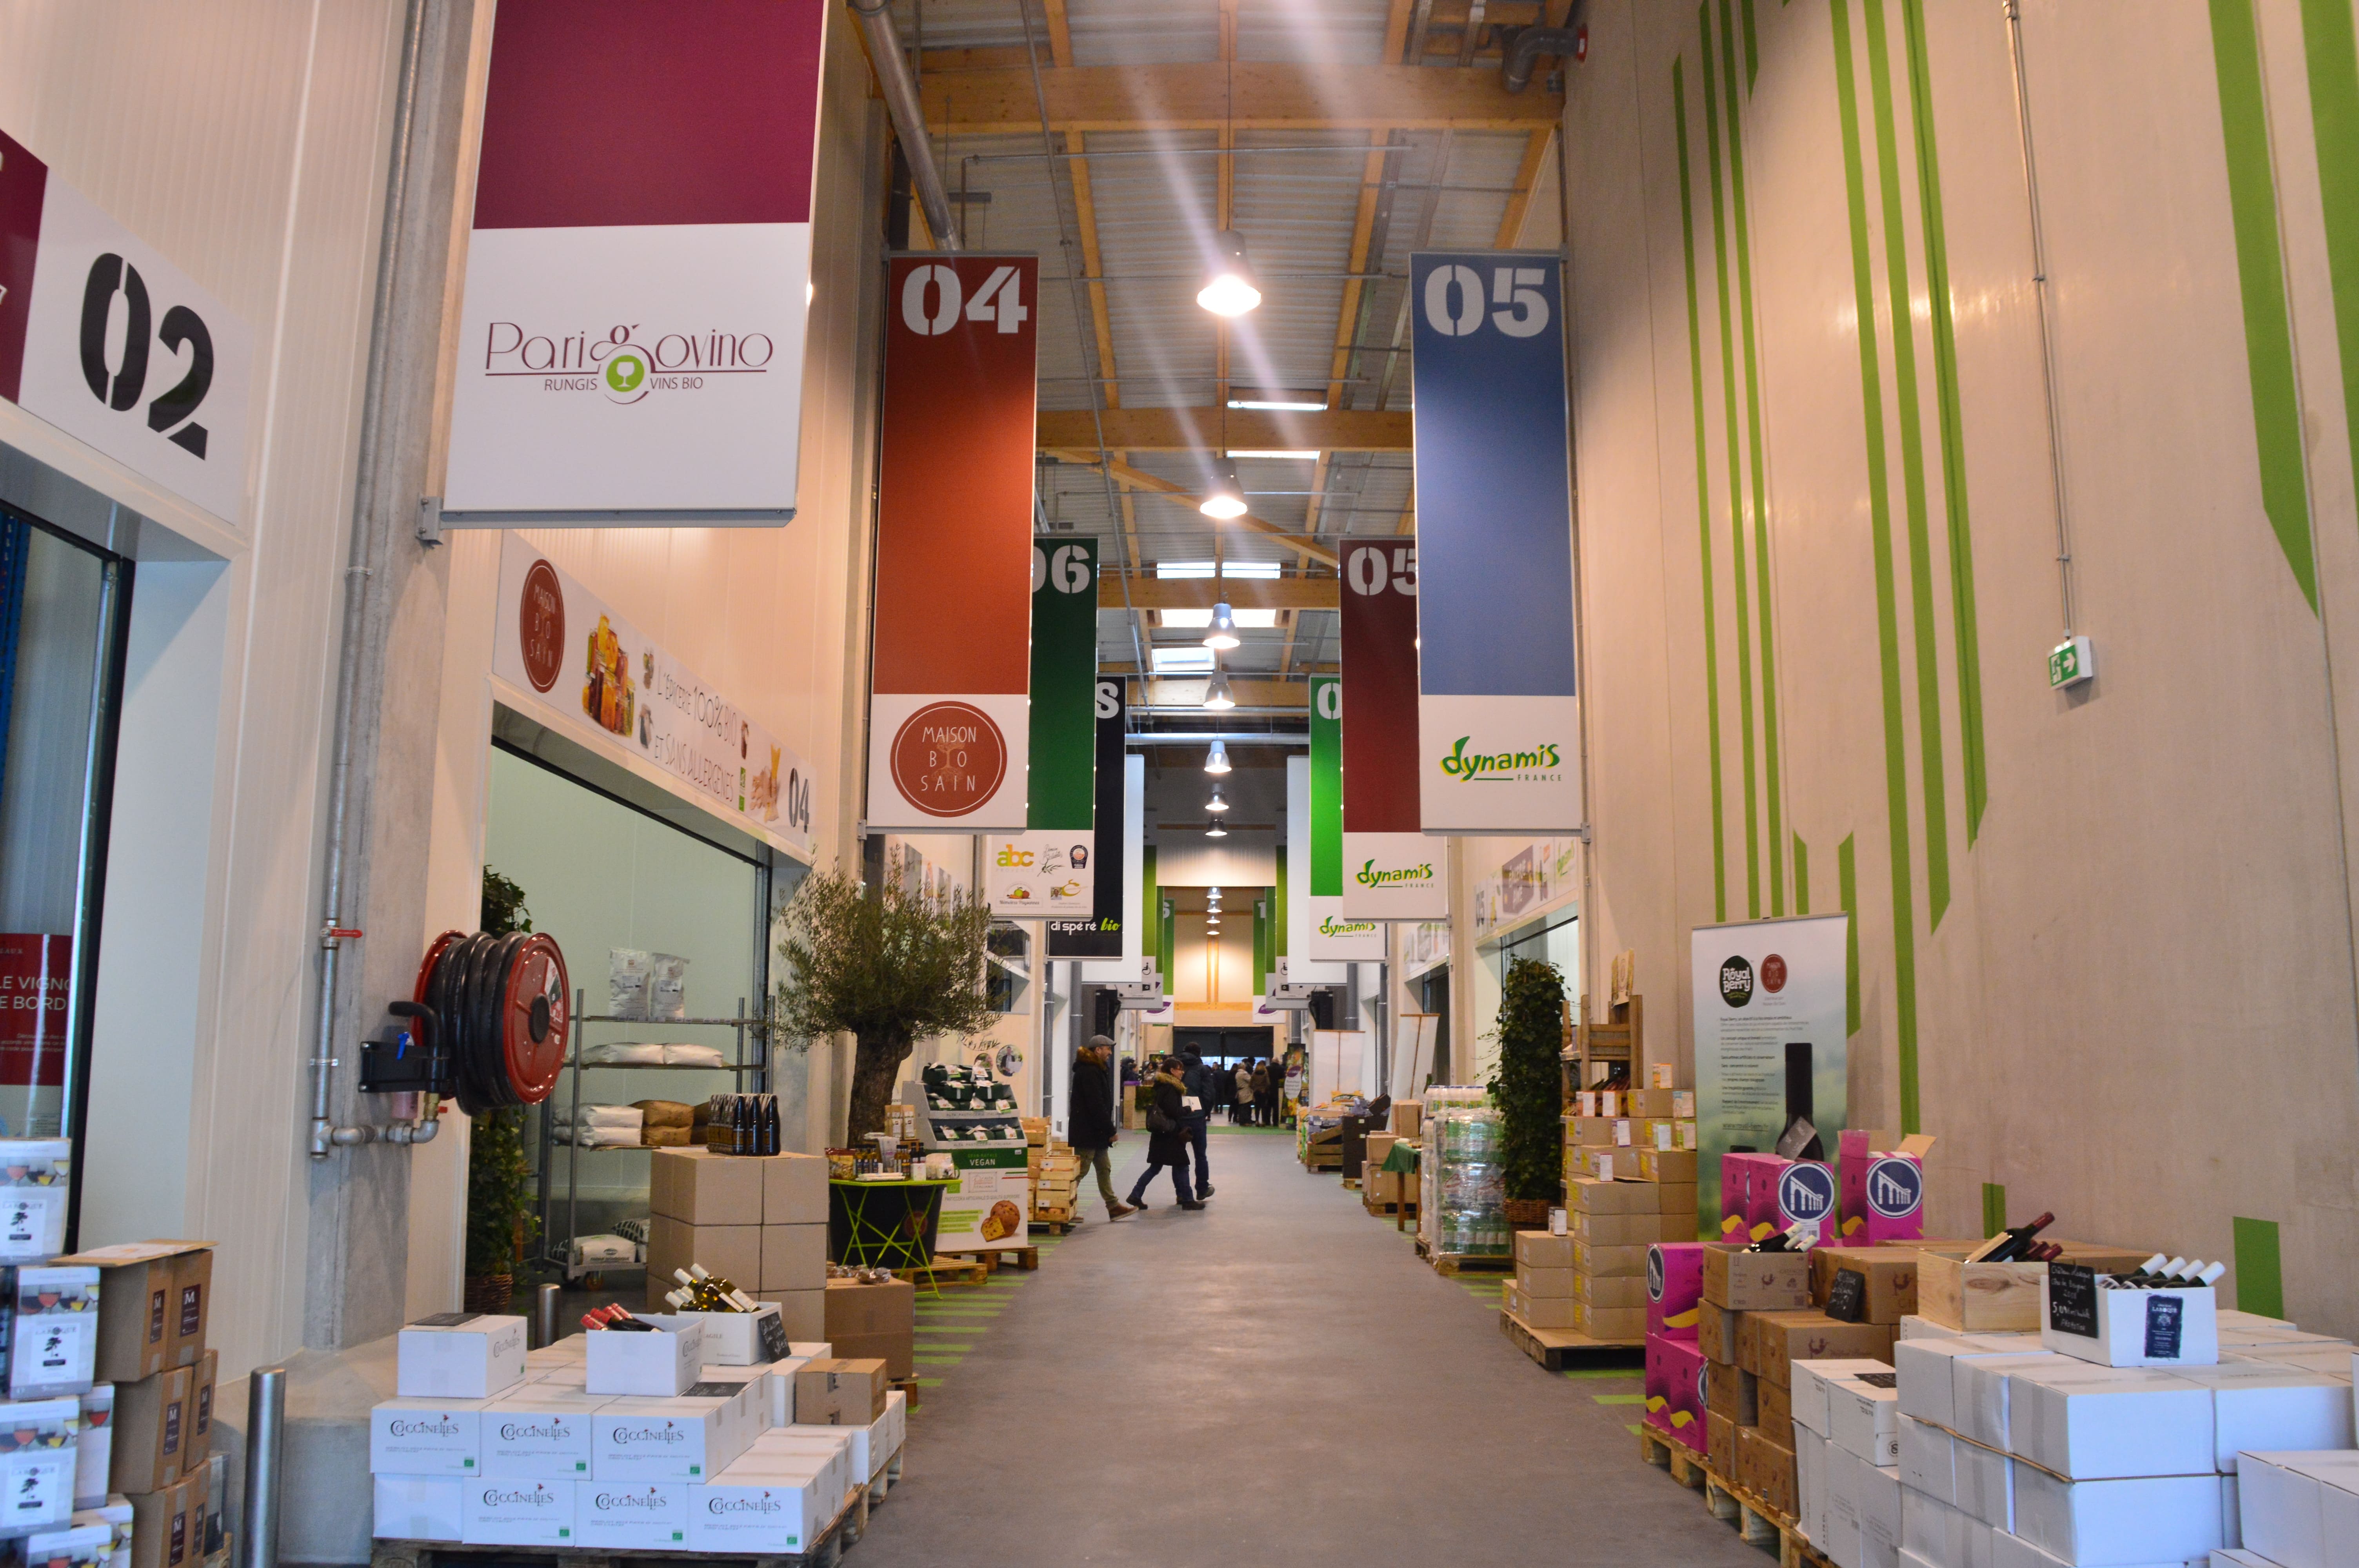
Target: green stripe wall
[(2333, 58), (1703, 505)]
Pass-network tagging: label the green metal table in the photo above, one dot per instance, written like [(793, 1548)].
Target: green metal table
[(886, 1225)]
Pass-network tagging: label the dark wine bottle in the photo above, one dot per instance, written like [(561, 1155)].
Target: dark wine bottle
[(772, 1136), (2007, 1246)]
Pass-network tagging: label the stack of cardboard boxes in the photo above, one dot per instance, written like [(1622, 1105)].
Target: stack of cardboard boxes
[(1611, 1133), (759, 1221), (1381, 1190), (1056, 1173), (874, 1321), (680, 1440)]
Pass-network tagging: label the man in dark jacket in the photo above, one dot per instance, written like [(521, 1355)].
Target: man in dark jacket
[(1167, 1139), (1196, 1080), (1089, 1118)]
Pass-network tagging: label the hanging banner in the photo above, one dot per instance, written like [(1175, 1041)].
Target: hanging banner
[(104, 338), (1770, 1041), (1044, 870), (631, 341), (36, 977), (1099, 934), (1391, 871), (948, 729), (569, 659), (1332, 933), (1498, 720)]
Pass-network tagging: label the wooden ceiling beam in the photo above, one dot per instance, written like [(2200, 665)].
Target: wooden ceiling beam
[(1130, 478), (1203, 592), (1210, 429), (1264, 95)]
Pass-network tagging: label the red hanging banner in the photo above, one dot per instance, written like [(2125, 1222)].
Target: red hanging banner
[(35, 987), (1391, 870), (949, 699)]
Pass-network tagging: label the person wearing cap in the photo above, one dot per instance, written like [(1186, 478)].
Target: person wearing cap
[(1090, 1121)]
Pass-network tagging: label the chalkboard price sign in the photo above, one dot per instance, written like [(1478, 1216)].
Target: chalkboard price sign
[(1847, 1299), (2073, 1300)]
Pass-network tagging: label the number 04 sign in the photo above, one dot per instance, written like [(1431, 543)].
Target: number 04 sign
[(104, 338)]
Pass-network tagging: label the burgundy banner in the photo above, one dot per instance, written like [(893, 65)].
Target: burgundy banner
[(1391, 871), (36, 984), (948, 731)]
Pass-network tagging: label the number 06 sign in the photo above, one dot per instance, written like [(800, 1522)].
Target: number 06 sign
[(104, 338)]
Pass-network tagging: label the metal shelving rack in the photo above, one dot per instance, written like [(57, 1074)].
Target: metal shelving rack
[(747, 1027)]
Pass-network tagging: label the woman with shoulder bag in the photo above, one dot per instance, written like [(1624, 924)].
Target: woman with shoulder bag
[(1167, 1139)]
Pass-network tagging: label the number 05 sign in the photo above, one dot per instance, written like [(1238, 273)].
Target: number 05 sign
[(104, 339)]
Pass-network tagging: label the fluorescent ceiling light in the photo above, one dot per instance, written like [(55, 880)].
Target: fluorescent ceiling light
[(1217, 761), (1222, 631), (1309, 456), (1190, 620), (1168, 569), (1224, 498), (1259, 571), (1312, 401), (1229, 286), (1256, 620), (1186, 660), (1217, 695)]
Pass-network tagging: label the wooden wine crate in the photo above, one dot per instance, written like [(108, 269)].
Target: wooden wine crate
[(2001, 1298)]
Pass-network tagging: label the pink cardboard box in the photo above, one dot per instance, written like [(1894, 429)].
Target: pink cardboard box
[(1675, 1289), (1735, 1195), (1883, 1190), (1675, 1390), (1804, 1191), (1758, 1203)]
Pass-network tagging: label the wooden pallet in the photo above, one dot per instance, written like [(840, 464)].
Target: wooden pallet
[(950, 1271), (994, 1259), (871, 1497), (1472, 1263), (825, 1551), (1759, 1524), (1044, 1227), (1386, 1209), (1552, 1348)]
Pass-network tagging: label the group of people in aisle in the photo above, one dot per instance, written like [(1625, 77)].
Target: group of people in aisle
[(1185, 1091)]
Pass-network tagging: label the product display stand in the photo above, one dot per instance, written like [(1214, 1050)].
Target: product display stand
[(1593, 1050), (748, 1028)]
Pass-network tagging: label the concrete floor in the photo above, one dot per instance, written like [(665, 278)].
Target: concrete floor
[(1277, 1379)]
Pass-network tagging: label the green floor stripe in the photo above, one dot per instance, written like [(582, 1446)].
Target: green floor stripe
[(1619, 1399), (1703, 504), (936, 1382), (2260, 1277), (935, 1360), (1631, 1373), (1634, 1430)]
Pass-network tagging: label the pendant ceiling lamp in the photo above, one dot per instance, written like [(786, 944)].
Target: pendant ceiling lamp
[(1217, 695), (1229, 288), (1216, 830), (1223, 632), (1216, 803), (1225, 498), (1217, 761)]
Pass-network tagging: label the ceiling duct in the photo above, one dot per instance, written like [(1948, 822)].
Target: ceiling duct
[(908, 118)]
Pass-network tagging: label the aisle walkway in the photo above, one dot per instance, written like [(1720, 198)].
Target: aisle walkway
[(1277, 1379)]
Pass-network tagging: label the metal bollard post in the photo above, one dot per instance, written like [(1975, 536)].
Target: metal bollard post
[(544, 1317), (266, 1439)]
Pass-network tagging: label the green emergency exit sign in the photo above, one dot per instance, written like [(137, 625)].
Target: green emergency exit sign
[(2073, 661)]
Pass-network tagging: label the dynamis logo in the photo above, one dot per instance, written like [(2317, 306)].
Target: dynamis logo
[(1369, 877), (624, 366), (1331, 927), (540, 625), (949, 758), (1504, 767)]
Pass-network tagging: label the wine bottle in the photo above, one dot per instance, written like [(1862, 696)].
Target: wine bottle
[(2209, 1275), (2008, 1245), (775, 1134), (749, 1138)]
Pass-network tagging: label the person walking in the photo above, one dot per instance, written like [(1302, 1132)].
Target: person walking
[(1265, 1093), (1197, 1079), (1090, 1125), (1167, 1140), (1241, 1111)]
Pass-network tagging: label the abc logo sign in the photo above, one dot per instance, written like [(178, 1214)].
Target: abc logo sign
[(1896, 1188), (1806, 1191)]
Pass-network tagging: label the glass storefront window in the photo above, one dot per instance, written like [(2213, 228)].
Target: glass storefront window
[(62, 609)]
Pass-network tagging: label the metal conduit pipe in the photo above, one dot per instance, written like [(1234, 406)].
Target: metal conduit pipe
[(1531, 43), (325, 1134), (908, 117)]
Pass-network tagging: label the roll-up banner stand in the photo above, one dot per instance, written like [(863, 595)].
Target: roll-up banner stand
[(1333, 935), (1770, 1041), (631, 344), (1391, 871), (1037, 874), (1498, 717), (948, 736), (1098, 934)]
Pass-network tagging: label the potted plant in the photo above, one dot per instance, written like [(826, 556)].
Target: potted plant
[(887, 966), (499, 1217), (1529, 1090)]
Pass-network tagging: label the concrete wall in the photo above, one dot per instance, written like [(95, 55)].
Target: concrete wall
[(2105, 934)]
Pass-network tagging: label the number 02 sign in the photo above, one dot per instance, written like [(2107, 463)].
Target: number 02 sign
[(104, 338)]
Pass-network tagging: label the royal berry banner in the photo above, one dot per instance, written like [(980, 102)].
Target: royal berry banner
[(1499, 717), (1391, 871), (949, 729), (631, 344), (104, 338)]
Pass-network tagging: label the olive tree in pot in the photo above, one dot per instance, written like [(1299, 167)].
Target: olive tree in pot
[(1529, 1090), (499, 1214), (887, 967)]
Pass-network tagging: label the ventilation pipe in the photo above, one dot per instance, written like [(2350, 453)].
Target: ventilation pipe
[(1530, 44), (908, 117)]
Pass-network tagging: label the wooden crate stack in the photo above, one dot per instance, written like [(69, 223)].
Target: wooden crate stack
[(1055, 1173)]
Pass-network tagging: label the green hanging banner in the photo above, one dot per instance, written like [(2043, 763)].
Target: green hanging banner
[(1037, 874), (1326, 787)]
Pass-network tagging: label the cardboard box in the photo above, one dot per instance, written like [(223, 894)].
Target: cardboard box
[(1543, 1249), (1675, 1288), (1662, 1105), (419, 1508), (804, 1312), (1864, 1418), (1928, 1382), (2099, 1424), (2256, 1406), (193, 1296), (1593, 1194), (1928, 1460), (459, 1356), (1979, 1391), (1675, 1389), (854, 1309), (794, 1188), (1716, 1330), (731, 1338), (839, 1391), (898, 1351), (794, 1257), (1748, 1194), (2126, 1328), (517, 1513), (1811, 1493), (1785, 1337), (701, 1188), (52, 1346), (198, 1445), (539, 1433), (2168, 1518), (139, 1305), (1732, 1392), (1765, 1470), (656, 1366), (1613, 1325), (2292, 1504), (1808, 1385), (167, 1524), (1755, 1282), (426, 1437), (1610, 1163), (1409, 1117), (1889, 1206), (1671, 1167), (1608, 1260), (1542, 1311), (688, 1438), (731, 1251), (37, 1477), (643, 1516), (151, 1428), (1888, 1273), (1619, 1230), (94, 1446), (1774, 1410), (1612, 1292), (1591, 1132), (763, 1511), (1554, 1284), (1675, 1202), (1720, 1446), (1804, 1193)]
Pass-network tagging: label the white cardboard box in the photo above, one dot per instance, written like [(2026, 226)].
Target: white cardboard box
[(2130, 1422), (1880, 1514), (1811, 1482), (1930, 1383), (1807, 1387), (419, 1508), (427, 1437), (731, 1338), (1866, 1419), (1925, 1527), (665, 1440), (644, 1366), (874, 1444), (2266, 1407), (2110, 1524), (1928, 1461), (94, 1446), (38, 1483), (771, 1512), (537, 1431), (525, 1512), (2300, 1509), (2177, 1327), (1978, 1386), (1986, 1485), (469, 1360), (787, 1448), (643, 1516)]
